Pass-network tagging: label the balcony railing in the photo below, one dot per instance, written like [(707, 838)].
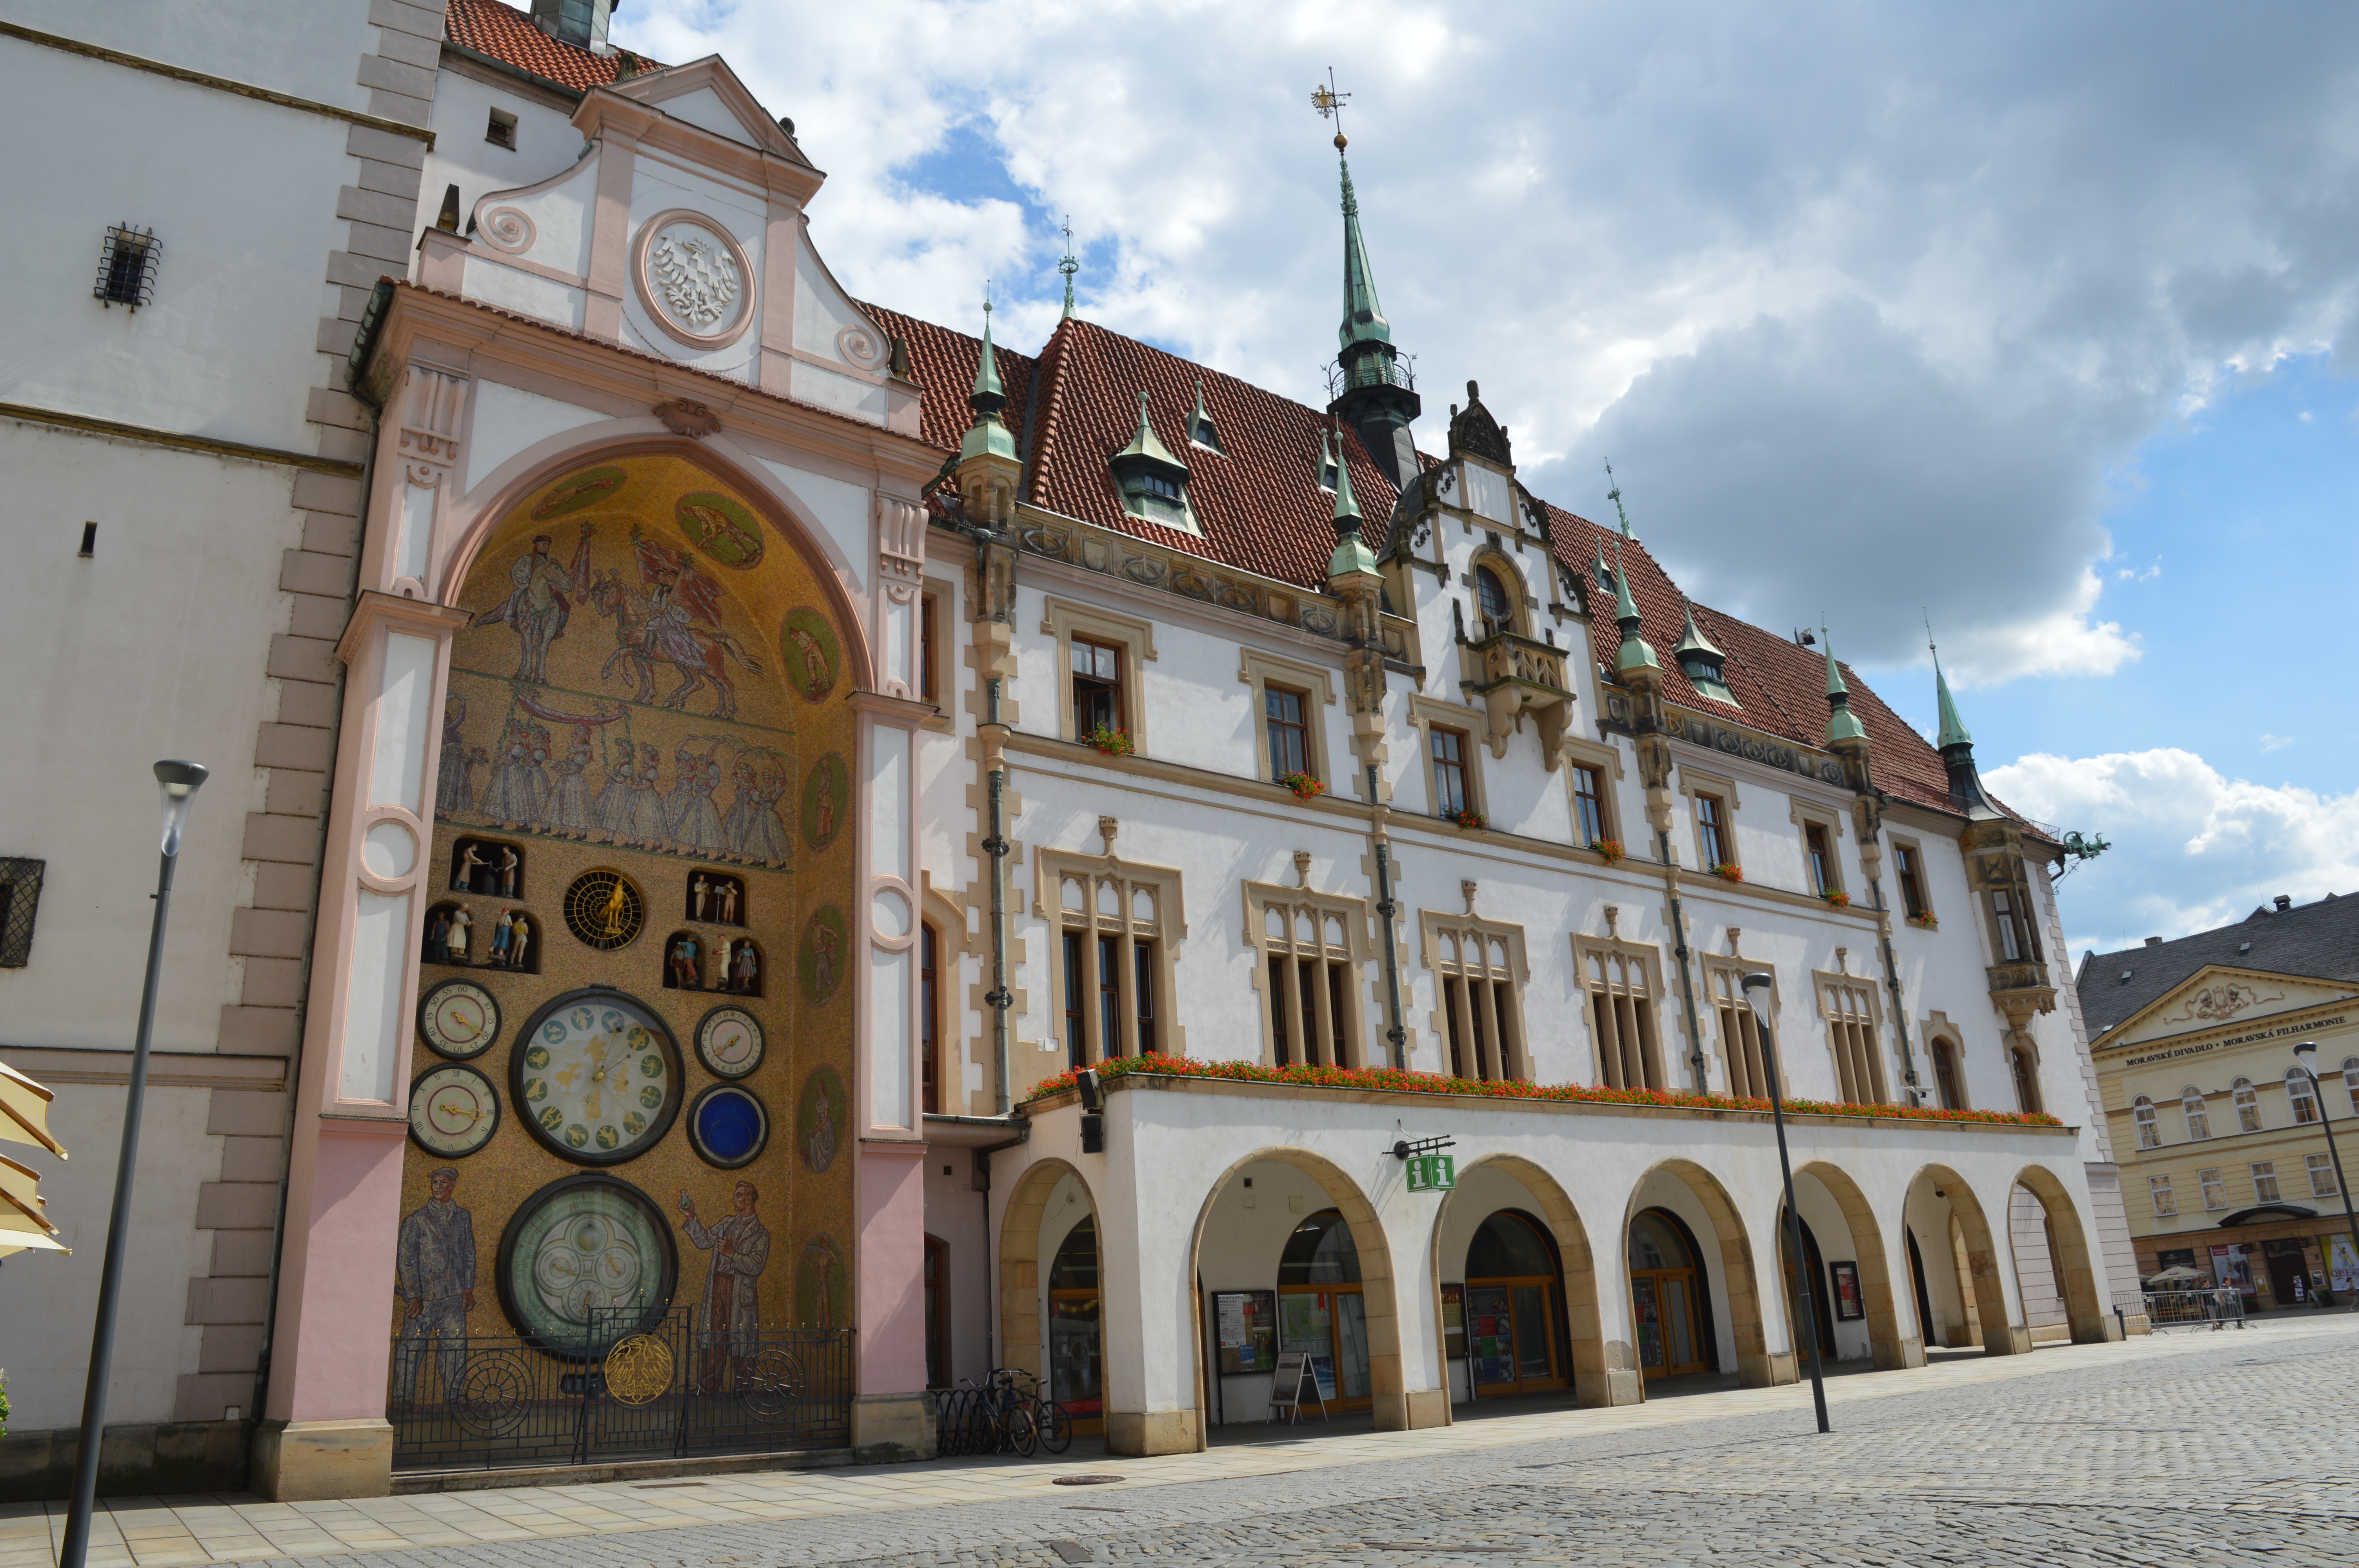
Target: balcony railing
[(1507, 657)]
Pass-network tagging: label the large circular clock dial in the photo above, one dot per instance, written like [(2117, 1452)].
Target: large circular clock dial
[(729, 1042), (596, 1077), (453, 1111), (459, 1019)]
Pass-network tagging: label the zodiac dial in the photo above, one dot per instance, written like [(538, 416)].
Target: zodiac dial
[(596, 1077)]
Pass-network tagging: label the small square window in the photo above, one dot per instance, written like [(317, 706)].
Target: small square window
[(2164, 1205), (2265, 1181), (126, 266), (2215, 1188), (502, 133), (2321, 1177), (20, 896)]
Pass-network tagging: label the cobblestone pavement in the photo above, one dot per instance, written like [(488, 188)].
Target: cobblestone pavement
[(2218, 1449)]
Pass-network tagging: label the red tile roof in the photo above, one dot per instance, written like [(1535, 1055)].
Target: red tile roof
[(507, 35), (943, 361)]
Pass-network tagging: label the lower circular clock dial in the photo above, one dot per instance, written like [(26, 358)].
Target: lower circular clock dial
[(453, 1111), (596, 1077)]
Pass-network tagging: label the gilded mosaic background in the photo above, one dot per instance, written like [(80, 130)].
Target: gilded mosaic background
[(651, 686)]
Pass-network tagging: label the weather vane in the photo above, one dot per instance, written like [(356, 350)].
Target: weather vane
[(1613, 494), (1330, 103)]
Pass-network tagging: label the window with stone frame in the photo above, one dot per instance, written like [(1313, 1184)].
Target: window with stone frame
[(2249, 1105), (1589, 805), (1097, 688), (2192, 1106), (1495, 602), (2149, 1129), (1907, 866), (1818, 852), (2025, 1074), (1448, 750), (1711, 831), (1947, 1081), (1740, 1028), (1284, 720), (1479, 973), (2215, 1188), (2017, 943), (1622, 982), (1290, 701), (1848, 1004), (2165, 1204), (2301, 1097), (1117, 924), (1313, 950), (2265, 1181), (2322, 1177)]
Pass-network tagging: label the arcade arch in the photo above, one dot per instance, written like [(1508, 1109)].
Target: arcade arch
[(1274, 1223), (1516, 1193), (1050, 1202), (1959, 1261), (1729, 1288), (2067, 1242), (1840, 1215)]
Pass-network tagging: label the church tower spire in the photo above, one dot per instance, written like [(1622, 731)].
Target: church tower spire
[(988, 434), (1377, 395), (1956, 745)]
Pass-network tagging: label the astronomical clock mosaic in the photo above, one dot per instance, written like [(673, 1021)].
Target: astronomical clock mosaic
[(631, 1098)]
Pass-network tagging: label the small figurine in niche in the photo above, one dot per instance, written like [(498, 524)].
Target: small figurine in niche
[(728, 901), (470, 862), (508, 864), (699, 893), (500, 938), (519, 938), (457, 949), (437, 937), (746, 970), (683, 963)]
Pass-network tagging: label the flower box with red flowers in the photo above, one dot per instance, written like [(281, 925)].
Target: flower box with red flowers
[(1467, 816), (1837, 899), (1112, 743), (1928, 921), (1729, 872), (1611, 848), (1304, 787)]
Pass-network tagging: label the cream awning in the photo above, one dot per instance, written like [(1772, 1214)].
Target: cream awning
[(22, 1225), (24, 1111)]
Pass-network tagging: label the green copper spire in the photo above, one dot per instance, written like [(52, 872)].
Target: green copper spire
[(1691, 639), (1351, 554), (1347, 508), (1364, 318), (1841, 723), (1635, 653), (1147, 444), (1954, 729), (987, 434)]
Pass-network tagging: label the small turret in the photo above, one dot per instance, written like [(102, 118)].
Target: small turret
[(1379, 396), (1635, 653), (1704, 665), (987, 471), (1842, 725), (1956, 745)]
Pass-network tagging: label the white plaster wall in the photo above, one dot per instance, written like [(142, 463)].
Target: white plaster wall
[(240, 193), (843, 510), (48, 1302), (154, 647), (1836, 1244), (304, 47), (954, 1216), (508, 420), (464, 155), (487, 279)]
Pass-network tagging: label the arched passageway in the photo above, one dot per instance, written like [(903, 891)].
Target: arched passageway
[(1728, 1326), (2065, 1240), (1288, 1254), (1946, 1223), (1485, 1239), (1051, 1203), (1861, 1297)]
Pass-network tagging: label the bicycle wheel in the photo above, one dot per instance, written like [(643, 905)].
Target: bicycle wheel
[(1023, 1434), (1056, 1427)]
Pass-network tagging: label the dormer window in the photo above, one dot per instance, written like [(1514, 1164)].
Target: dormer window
[(1153, 483), (1199, 426), (1327, 464), (1702, 664)]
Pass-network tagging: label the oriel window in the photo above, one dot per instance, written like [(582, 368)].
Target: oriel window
[(2015, 939), (1290, 737), (1097, 687)]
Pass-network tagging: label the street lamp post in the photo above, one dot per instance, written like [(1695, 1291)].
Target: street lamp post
[(2305, 1056), (179, 782), (1757, 992)]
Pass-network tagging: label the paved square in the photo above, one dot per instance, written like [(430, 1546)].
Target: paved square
[(2207, 1448)]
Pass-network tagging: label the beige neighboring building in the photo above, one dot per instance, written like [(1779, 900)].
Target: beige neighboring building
[(2224, 1159)]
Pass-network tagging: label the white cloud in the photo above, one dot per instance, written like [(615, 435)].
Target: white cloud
[(2191, 848), (2276, 742), (1868, 304)]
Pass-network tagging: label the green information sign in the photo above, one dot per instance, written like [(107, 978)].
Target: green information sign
[(1433, 1172)]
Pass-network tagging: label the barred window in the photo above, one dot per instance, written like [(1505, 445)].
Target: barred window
[(1478, 965), (2149, 1129), (1620, 981), (2321, 1177), (2164, 1205), (2199, 1119), (1740, 1028), (2215, 1188), (20, 896), (1848, 1004), (2265, 1181)]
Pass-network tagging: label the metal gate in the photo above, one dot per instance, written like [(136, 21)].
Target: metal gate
[(660, 1388)]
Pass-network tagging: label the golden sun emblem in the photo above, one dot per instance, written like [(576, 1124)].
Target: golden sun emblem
[(639, 1368), (603, 910)]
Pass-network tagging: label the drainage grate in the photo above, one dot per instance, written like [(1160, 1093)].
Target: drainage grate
[(1070, 1551)]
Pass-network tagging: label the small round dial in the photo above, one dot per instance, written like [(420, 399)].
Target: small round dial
[(728, 1127), (453, 1111), (729, 1042), (596, 1077), (459, 1019)]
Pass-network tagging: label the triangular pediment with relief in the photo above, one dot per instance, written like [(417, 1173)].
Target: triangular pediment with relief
[(707, 94), (2217, 996)]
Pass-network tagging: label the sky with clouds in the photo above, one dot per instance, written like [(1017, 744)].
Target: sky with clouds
[(2041, 321)]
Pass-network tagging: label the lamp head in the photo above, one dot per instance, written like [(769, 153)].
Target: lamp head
[(180, 781), (1757, 990), (2306, 1053)]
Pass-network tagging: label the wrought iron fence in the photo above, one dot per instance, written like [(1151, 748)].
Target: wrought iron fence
[(2195, 1309), (661, 1388)]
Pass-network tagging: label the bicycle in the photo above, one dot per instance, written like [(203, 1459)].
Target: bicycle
[(1019, 1420)]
